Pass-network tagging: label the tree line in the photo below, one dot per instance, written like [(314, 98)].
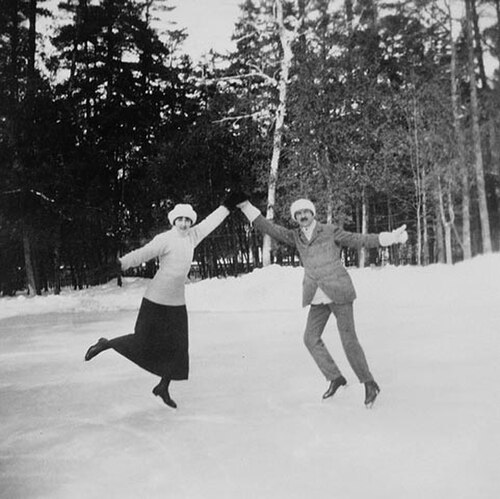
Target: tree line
[(381, 113)]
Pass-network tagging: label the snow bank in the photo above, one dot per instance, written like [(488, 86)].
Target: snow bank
[(279, 288)]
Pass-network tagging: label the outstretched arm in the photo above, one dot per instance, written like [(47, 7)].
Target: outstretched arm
[(156, 247), (233, 197), (274, 230), (356, 240), (209, 224)]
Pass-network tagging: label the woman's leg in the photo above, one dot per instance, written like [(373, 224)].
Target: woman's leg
[(161, 390), (122, 344), (100, 346)]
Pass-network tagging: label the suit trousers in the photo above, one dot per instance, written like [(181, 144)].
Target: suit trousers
[(316, 322)]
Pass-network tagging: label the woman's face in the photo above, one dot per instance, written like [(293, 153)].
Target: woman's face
[(183, 224)]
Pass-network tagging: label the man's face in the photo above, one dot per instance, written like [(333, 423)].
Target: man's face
[(183, 224), (304, 217)]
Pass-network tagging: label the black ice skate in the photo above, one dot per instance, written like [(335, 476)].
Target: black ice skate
[(334, 386), (161, 391), (100, 346), (371, 392)]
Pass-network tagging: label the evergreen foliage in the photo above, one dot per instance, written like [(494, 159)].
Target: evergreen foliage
[(102, 134)]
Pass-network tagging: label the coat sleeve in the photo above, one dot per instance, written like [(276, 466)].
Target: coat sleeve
[(208, 225), (156, 247), (275, 231), (354, 239)]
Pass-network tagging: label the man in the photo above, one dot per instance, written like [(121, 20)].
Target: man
[(327, 287)]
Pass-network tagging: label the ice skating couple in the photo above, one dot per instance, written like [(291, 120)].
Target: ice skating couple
[(159, 343)]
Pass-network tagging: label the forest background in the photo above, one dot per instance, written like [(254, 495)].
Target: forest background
[(382, 113)]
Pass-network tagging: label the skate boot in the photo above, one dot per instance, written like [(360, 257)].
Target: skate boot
[(161, 390), (100, 346), (334, 386), (371, 392)]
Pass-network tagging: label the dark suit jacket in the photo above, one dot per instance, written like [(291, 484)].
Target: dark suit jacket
[(320, 257)]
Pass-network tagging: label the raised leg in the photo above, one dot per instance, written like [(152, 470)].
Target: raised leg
[(100, 346)]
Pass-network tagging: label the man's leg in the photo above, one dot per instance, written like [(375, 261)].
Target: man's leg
[(354, 352), (316, 322)]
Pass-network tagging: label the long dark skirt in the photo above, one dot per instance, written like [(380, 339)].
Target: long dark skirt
[(160, 340)]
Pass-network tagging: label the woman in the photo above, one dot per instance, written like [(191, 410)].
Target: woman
[(160, 340)]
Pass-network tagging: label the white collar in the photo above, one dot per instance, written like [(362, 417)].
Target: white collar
[(308, 231)]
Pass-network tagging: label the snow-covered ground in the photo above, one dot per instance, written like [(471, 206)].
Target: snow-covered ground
[(251, 422)]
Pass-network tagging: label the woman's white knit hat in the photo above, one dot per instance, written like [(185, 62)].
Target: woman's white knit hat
[(302, 204), (182, 210)]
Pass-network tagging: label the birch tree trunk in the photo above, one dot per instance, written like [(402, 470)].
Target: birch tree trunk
[(495, 132), (287, 38), (425, 225), (364, 226), (329, 203), (446, 224), (460, 140), (440, 249), (478, 50), (417, 176), (27, 157), (447, 243), (476, 138), (497, 10)]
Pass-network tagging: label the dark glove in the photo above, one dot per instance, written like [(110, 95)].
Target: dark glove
[(118, 267), (114, 270), (118, 272), (234, 198)]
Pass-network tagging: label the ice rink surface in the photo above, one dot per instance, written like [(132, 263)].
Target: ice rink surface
[(251, 422)]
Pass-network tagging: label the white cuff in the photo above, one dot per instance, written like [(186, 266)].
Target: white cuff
[(249, 210), (386, 238), (224, 210), (123, 266)]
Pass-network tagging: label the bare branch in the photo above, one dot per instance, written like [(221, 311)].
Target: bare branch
[(257, 74), (244, 37), (240, 117)]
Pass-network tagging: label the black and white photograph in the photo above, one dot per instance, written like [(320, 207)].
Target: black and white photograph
[(249, 249)]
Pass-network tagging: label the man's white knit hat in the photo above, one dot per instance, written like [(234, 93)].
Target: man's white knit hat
[(182, 210), (302, 204)]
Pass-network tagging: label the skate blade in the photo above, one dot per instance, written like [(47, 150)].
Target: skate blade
[(369, 405)]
